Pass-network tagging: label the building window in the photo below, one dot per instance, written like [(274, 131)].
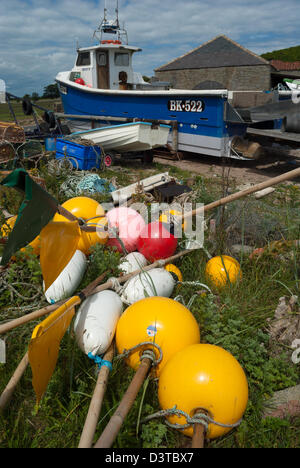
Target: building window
[(122, 60), (83, 59)]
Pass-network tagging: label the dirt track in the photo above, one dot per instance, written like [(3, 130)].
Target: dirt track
[(275, 162)]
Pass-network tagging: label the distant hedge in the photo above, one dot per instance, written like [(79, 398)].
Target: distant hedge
[(291, 54)]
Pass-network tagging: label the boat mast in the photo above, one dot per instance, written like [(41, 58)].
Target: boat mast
[(111, 27)]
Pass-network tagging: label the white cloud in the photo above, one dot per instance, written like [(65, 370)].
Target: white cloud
[(38, 37)]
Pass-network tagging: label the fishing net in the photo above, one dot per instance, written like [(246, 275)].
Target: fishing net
[(255, 223)]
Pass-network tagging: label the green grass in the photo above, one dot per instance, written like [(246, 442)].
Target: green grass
[(5, 114), (235, 318)]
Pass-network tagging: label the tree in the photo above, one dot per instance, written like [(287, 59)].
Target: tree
[(51, 91), (35, 96)]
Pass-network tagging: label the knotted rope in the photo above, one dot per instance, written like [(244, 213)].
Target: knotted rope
[(198, 418)]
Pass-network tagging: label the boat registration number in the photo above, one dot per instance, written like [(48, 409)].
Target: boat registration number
[(180, 105)]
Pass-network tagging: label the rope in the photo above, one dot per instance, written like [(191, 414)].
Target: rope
[(115, 284), (100, 362), (180, 298), (81, 182), (195, 283), (147, 353), (199, 418)]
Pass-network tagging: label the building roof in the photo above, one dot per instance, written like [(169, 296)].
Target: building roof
[(279, 65), (216, 53)]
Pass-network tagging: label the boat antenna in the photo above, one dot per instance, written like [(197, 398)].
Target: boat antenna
[(109, 26)]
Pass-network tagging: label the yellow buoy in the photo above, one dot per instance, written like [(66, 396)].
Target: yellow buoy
[(172, 215), (8, 227), (160, 320), (204, 378), (88, 239), (222, 270), (173, 269), (81, 207)]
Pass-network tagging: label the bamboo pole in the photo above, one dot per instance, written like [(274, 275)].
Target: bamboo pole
[(112, 429), (108, 285), (198, 434), (11, 386), (243, 193), (91, 421)]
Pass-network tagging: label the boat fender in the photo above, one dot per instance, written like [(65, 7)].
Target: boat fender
[(132, 262), (68, 280), (156, 282), (96, 321)]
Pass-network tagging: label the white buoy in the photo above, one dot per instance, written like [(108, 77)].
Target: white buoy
[(156, 282), (96, 321), (68, 280), (132, 262)]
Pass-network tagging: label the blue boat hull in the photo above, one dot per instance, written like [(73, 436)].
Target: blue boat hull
[(200, 118)]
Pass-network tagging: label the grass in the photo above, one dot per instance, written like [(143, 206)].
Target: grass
[(5, 114), (235, 318)]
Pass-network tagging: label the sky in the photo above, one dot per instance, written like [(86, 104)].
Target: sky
[(38, 38)]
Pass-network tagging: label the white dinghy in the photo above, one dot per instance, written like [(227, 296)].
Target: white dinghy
[(136, 136)]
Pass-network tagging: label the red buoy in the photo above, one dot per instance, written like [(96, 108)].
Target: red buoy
[(80, 81), (156, 242)]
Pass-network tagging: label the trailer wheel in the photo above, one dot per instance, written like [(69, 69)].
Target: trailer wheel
[(109, 159), (50, 119), (27, 107)]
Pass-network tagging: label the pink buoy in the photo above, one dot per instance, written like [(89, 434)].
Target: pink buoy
[(128, 224)]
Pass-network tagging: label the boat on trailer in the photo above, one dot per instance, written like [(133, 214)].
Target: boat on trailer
[(135, 136), (103, 90)]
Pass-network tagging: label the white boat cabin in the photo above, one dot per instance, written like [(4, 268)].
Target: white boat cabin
[(107, 66)]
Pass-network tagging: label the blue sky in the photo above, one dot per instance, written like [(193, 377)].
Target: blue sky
[(38, 37)]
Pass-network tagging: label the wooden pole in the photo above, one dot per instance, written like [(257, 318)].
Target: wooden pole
[(198, 434), (91, 421), (112, 429), (46, 310), (11, 386), (243, 193)]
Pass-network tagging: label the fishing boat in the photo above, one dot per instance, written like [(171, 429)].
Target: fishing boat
[(135, 136), (103, 90), (292, 84)]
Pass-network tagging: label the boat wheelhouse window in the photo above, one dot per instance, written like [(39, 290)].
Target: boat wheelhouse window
[(101, 59), (83, 59), (122, 60)]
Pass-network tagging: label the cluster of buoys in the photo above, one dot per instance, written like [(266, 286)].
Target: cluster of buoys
[(124, 228), (193, 377)]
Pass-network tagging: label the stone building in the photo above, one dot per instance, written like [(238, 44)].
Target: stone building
[(220, 63)]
